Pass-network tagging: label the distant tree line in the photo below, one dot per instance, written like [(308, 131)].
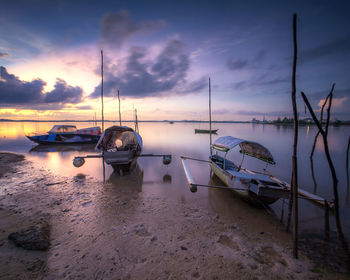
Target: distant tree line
[(289, 121)]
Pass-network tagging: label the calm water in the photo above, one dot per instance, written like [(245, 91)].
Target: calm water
[(179, 139)]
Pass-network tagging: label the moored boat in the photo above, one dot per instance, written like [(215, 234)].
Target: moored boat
[(120, 146), (205, 131), (68, 134), (259, 188)]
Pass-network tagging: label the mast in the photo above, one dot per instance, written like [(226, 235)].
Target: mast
[(120, 118), (210, 115), (102, 88), (136, 122)]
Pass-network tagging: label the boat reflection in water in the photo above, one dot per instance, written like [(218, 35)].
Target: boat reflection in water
[(62, 148), (229, 206), (130, 181)]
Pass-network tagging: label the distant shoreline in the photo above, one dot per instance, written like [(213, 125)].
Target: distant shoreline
[(181, 121)]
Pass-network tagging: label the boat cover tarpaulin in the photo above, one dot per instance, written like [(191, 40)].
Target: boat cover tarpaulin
[(90, 130), (126, 135), (72, 129), (249, 148)]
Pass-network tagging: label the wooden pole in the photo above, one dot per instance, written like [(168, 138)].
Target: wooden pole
[(102, 89), (347, 172), (295, 146), (120, 116), (211, 152), (326, 221), (314, 144), (324, 133)]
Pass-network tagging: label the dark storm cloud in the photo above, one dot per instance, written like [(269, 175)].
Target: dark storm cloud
[(116, 27), (30, 95), (338, 46), (64, 93), (240, 64), (15, 91), (152, 78), (3, 54)]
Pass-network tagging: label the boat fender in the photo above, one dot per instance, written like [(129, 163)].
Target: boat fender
[(193, 188), (78, 161)]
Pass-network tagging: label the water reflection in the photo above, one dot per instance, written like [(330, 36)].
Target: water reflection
[(130, 181), (62, 148), (178, 139)]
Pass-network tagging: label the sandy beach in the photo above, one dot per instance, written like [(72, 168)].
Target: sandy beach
[(116, 231)]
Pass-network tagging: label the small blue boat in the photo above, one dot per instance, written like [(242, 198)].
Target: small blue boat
[(68, 134)]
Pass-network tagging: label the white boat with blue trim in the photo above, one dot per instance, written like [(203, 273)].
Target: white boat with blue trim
[(259, 188)]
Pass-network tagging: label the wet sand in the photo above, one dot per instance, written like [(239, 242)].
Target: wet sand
[(116, 231)]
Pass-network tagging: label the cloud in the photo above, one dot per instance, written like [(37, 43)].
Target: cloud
[(141, 77), (240, 64), (85, 107), (31, 95), (340, 105), (258, 113), (237, 64), (117, 27), (338, 46), (260, 81), (3, 54)]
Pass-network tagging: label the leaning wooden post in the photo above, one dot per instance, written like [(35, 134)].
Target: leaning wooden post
[(324, 133), (314, 145), (295, 146)]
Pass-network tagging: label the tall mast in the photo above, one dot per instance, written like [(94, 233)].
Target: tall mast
[(210, 115), (102, 88), (120, 118)]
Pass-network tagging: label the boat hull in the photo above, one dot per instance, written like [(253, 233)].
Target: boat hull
[(205, 131), (66, 139), (245, 191)]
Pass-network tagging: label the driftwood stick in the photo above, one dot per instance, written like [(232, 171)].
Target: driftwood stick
[(295, 146)]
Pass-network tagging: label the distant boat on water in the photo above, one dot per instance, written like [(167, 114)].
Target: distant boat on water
[(205, 131), (68, 134)]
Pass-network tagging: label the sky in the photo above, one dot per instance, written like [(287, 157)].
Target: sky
[(160, 55)]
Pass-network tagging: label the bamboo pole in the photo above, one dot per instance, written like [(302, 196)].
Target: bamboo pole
[(295, 146), (102, 89)]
